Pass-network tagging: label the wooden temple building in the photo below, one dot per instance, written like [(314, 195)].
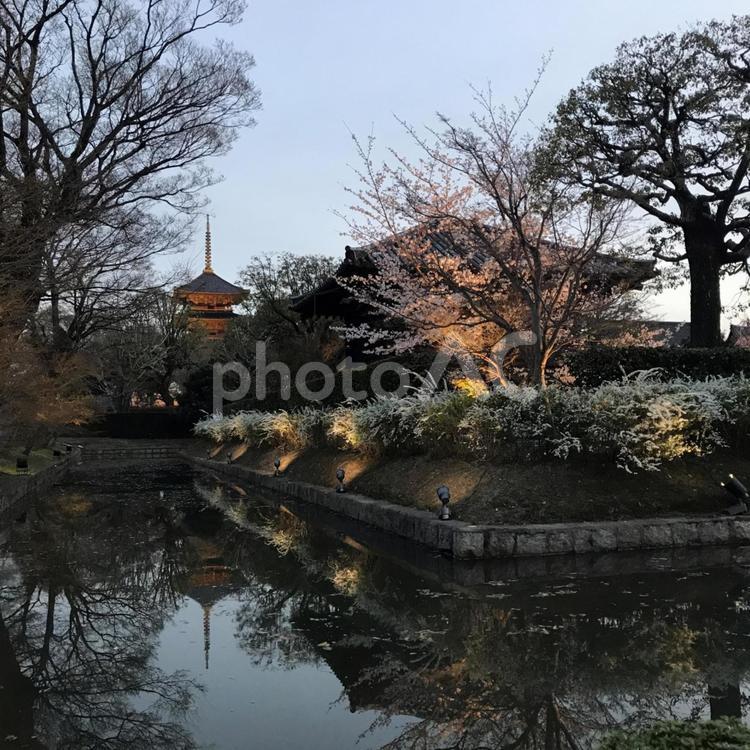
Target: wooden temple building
[(210, 298), (334, 298)]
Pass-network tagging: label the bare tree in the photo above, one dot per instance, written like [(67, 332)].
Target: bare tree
[(146, 352), (97, 277), (105, 105), (273, 281)]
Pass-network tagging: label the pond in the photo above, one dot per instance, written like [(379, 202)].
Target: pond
[(167, 609)]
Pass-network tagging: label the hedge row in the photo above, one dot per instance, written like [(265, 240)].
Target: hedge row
[(599, 364)]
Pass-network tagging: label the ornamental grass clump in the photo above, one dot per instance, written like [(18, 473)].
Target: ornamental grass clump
[(214, 428), (439, 422), (293, 430), (551, 420), (383, 425), (638, 422)]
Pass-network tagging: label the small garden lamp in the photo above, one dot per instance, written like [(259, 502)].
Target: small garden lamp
[(444, 495), (739, 492), (229, 456), (277, 466), (340, 476)]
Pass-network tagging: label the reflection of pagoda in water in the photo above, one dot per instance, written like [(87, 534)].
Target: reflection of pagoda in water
[(210, 582), (210, 297)]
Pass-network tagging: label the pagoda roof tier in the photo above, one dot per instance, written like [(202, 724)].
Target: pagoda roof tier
[(210, 283)]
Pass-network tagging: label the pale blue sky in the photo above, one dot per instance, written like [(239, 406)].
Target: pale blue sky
[(329, 66)]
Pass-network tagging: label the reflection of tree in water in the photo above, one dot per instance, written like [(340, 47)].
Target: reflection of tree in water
[(530, 678), (92, 587), (526, 674)]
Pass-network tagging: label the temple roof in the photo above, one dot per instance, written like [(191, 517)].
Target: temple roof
[(358, 261), (209, 282)]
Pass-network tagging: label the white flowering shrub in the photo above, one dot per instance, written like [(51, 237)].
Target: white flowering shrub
[(214, 427), (638, 422), (377, 426), (297, 429)]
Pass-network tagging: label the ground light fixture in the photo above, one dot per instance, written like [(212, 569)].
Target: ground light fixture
[(739, 492), (444, 495), (277, 466), (340, 476)]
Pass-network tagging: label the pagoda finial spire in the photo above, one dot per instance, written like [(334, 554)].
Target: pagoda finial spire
[(208, 268), (206, 631)]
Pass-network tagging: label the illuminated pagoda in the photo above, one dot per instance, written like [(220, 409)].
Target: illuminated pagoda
[(210, 297)]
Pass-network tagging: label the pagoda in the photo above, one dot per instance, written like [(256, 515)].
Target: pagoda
[(210, 298)]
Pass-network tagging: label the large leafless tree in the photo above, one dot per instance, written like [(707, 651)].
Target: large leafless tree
[(106, 105)]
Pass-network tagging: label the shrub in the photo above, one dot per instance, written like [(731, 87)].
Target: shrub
[(721, 734), (599, 364), (298, 429), (639, 422), (385, 424), (438, 421)]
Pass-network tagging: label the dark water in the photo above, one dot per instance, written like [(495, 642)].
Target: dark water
[(168, 610)]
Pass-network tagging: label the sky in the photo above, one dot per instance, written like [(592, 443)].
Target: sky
[(330, 68)]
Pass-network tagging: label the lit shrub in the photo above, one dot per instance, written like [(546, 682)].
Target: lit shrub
[(298, 429), (214, 428), (295, 430), (642, 421), (382, 425), (638, 422), (438, 421)]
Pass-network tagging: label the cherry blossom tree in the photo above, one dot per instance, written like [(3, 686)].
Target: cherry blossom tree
[(473, 242)]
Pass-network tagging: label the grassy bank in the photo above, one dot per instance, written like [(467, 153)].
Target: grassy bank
[(38, 461), (483, 492), (635, 448)]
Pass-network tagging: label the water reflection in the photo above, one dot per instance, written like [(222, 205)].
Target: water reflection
[(94, 573), (85, 592)]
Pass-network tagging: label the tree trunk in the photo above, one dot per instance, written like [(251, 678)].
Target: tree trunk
[(704, 250)]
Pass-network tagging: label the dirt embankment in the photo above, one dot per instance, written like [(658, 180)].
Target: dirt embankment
[(487, 493)]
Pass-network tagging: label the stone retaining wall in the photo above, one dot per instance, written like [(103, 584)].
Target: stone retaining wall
[(469, 541), (146, 453), (16, 488)]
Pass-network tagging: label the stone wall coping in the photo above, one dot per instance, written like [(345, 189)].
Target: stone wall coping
[(27, 485)]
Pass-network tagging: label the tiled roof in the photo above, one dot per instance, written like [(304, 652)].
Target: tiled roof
[(637, 271), (209, 283)]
